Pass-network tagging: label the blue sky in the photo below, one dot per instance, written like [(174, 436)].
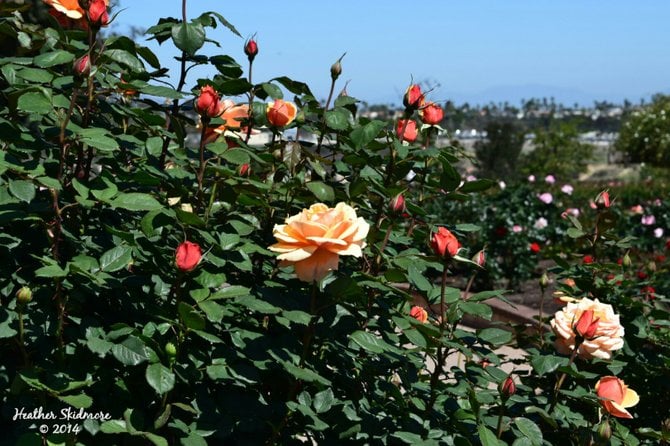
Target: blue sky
[(474, 50)]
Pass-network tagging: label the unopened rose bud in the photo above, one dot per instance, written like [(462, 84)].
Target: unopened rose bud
[(603, 200), (207, 104), (544, 281), (336, 68), (170, 350), (480, 258), (251, 49), (507, 388), (651, 266), (245, 170), (413, 99), (605, 431), (397, 205), (24, 295), (97, 13), (626, 261), (82, 66)]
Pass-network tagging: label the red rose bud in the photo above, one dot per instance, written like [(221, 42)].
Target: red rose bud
[(188, 256), (82, 66), (586, 326), (535, 247), (649, 292), (97, 13), (24, 295), (281, 113), (245, 170), (397, 205), (413, 98), (431, 114), (251, 49), (480, 258), (207, 104), (603, 200), (507, 388), (642, 275), (587, 259), (406, 132), (444, 243), (419, 314)]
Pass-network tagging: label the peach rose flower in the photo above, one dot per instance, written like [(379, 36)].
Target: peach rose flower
[(615, 396), (70, 8), (313, 240), (607, 337)]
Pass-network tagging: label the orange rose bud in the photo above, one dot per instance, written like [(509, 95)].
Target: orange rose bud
[(208, 104), (431, 114), (188, 255), (97, 13), (281, 113), (82, 66), (397, 205), (603, 200), (480, 258), (419, 314), (615, 396), (586, 326), (507, 387), (251, 49), (413, 98), (406, 132), (245, 170), (444, 243)]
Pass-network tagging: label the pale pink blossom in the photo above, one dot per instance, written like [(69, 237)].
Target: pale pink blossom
[(567, 189), (470, 178), (541, 223), (531, 178), (648, 220), (546, 198), (517, 228), (637, 209), (502, 185), (550, 179), (658, 232)]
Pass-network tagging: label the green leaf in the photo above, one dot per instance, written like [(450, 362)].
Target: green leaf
[(23, 190), (369, 341), (191, 317), (323, 401), (272, 90), (51, 271), (35, 102), (114, 427), (161, 92), (236, 156), (304, 374), (487, 437), (188, 37), (321, 190), (575, 233), (131, 351), (135, 201), (476, 186), (292, 154), (80, 401), (338, 118), (125, 58), (53, 58), (98, 139), (160, 378), (546, 364), (362, 136), (530, 430), (495, 336), (476, 309), (116, 258)]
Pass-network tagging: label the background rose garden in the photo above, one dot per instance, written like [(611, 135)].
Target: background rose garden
[(108, 306)]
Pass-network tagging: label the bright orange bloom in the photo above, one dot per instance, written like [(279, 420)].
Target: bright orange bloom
[(444, 243), (615, 396), (281, 113), (313, 240), (70, 8), (419, 314)]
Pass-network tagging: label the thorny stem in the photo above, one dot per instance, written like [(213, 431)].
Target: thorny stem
[(175, 103), (559, 383), (500, 420), (323, 122), (441, 356), (203, 164), (306, 345), (251, 106)]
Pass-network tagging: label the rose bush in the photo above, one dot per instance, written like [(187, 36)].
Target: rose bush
[(323, 309)]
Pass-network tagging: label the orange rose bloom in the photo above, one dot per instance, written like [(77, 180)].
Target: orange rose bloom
[(606, 337), (431, 114), (313, 240), (70, 8), (410, 132), (615, 396), (444, 243), (419, 314), (281, 113), (233, 115)]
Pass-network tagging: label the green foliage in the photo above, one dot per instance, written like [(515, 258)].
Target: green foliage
[(498, 155), (644, 135), (101, 181)]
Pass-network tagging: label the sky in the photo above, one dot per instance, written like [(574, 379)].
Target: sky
[(474, 51)]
